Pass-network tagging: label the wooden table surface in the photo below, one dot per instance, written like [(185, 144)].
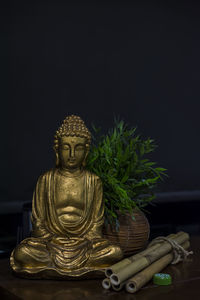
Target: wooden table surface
[(185, 285)]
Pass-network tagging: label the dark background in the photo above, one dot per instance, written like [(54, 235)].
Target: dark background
[(137, 60)]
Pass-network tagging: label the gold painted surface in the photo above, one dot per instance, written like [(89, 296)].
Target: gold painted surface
[(67, 216)]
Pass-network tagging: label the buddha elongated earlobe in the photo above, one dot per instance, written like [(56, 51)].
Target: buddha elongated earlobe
[(57, 159), (85, 159), (84, 162)]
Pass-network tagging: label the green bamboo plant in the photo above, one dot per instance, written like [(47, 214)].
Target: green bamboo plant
[(129, 178)]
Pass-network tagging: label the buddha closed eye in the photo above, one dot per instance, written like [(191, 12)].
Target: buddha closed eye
[(80, 148)]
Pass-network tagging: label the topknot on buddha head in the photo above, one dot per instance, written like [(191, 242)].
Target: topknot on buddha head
[(72, 126)]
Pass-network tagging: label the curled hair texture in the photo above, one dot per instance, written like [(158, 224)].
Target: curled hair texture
[(72, 126)]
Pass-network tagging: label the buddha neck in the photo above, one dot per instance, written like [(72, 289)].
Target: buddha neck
[(71, 173)]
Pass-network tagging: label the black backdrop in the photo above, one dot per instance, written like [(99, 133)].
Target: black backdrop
[(138, 60)]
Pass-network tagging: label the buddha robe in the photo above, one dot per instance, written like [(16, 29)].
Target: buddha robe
[(66, 240)]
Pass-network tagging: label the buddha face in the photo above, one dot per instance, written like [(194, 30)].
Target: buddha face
[(72, 152)]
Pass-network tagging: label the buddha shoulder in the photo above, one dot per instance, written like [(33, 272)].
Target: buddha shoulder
[(93, 175), (95, 178), (45, 176)]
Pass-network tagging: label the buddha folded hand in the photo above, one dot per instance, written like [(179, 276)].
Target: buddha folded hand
[(67, 215)]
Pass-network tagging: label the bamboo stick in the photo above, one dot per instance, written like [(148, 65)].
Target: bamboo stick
[(106, 283), (147, 259), (118, 287), (140, 279), (126, 262)]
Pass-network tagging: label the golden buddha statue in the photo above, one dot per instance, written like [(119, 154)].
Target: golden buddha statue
[(67, 215)]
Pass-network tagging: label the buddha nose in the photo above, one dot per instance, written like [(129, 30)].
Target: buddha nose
[(72, 153)]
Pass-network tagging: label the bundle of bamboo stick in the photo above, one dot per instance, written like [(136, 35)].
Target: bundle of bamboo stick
[(134, 272)]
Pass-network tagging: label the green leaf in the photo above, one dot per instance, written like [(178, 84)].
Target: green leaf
[(160, 169)]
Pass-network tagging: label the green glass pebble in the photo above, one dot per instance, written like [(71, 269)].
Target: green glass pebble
[(162, 279)]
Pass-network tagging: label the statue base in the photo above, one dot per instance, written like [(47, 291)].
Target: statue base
[(58, 275)]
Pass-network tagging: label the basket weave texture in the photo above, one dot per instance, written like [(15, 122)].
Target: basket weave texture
[(132, 235)]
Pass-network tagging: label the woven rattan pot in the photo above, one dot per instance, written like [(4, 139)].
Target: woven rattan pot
[(132, 236)]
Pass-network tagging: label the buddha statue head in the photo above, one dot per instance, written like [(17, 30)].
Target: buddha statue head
[(71, 144)]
